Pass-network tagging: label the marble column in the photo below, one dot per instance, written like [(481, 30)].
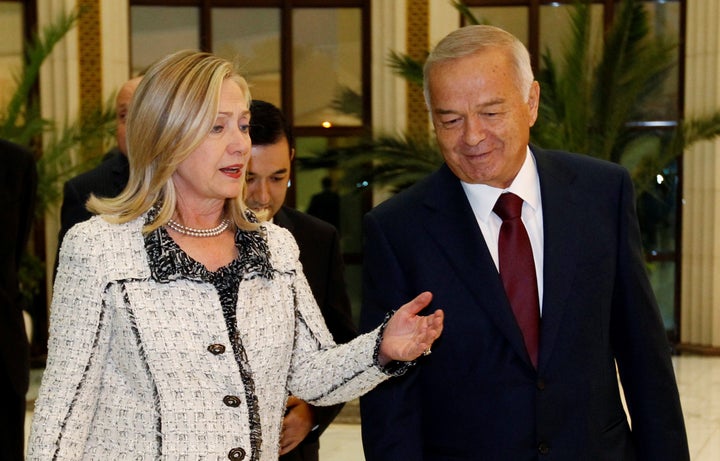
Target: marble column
[(700, 286), (86, 68), (417, 46), (388, 89)]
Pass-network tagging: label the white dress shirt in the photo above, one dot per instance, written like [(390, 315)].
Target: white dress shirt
[(526, 185)]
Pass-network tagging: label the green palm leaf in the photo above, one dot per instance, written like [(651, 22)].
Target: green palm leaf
[(68, 149), (20, 121), (591, 99), (406, 67), (392, 162)]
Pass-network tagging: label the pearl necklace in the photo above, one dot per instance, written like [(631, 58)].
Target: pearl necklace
[(193, 232)]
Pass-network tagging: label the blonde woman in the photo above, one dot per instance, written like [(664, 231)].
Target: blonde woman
[(179, 324)]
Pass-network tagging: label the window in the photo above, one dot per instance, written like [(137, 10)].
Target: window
[(12, 21)]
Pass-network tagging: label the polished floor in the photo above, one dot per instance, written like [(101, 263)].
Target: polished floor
[(698, 380)]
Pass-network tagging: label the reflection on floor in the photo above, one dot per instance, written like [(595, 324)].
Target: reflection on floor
[(699, 383), (698, 380)]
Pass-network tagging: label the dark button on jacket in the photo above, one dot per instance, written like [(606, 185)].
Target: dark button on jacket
[(231, 401), (543, 448), (236, 454), (216, 349)]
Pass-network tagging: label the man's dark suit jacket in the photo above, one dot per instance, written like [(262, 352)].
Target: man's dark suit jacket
[(326, 206), (323, 266), (18, 186), (107, 179), (477, 396)]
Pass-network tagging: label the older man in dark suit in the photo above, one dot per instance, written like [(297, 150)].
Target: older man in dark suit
[(18, 186), (526, 366), (107, 179), (267, 181)]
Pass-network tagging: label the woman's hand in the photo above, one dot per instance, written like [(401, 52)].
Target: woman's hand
[(298, 422), (408, 335)]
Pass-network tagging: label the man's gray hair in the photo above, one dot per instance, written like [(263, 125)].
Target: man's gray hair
[(476, 38)]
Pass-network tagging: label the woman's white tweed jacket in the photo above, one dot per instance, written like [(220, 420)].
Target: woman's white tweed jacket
[(144, 370)]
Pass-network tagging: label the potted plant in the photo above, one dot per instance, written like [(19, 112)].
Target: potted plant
[(591, 101), (589, 104), (60, 151)]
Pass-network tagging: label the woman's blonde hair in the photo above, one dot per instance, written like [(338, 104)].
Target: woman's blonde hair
[(172, 111)]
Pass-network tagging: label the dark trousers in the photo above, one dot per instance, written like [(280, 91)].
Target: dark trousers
[(12, 436), (306, 451)]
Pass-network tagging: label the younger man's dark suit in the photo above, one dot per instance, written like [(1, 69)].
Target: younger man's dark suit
[(323, 266)]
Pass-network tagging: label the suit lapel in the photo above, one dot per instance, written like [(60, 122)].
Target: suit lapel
[(561, 251), (452, 224), (281, 219)]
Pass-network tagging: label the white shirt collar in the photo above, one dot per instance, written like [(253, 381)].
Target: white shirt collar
[(526, 185)]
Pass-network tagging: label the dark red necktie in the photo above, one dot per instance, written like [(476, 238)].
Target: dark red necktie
[(517, 270)]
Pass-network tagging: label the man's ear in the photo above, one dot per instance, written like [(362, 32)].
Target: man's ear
[(534, 102), (292, 154)]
